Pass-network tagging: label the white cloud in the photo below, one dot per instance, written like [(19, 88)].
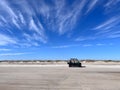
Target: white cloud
[(66, 17), (65, 46), (32, 39), (5, 49), (11, 14), (59, 16), (112, 6), (29, 44), (18, 17), (24, 7), (114, 36), (116, 32), (85, 38), (44, 10), (3, 19), (38, 28), (91, 5), (22, 18), (108, 28), (5, 40), (87, 45), (111, 3), (0, 23), (15, 23), (64, 21), (8, 9), (80, 39), (35, 44), (59, 6), (109, 23), (11, 54), (33, 26), (28, 37), (100, 44)]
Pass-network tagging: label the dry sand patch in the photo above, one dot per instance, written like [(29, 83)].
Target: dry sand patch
[(59, 78)]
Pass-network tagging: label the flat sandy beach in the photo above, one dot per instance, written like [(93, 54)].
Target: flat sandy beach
[(59, 77)]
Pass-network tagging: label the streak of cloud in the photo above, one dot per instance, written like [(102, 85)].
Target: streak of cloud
[(109, 23), (6, 40), (11, 54), (66, 46), (91, 5), (5, 49)]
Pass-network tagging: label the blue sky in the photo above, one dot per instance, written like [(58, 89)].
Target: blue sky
[(59, 29)]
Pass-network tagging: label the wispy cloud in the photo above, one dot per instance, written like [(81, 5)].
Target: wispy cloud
[(66, 46), (85, 38), (44, 9), (25, 18), (34, 27), (6, 40), (87, 45), (91, 5), (5, 49), (31, 22), (3, 19), (21, 18), (81, 45), (114, 36), (38, 28), (109, 23), (100, 44), (97, 44), (66, 17), (15, 23), (108, 28), (7, 8), (29, 39), (111, 3), (12, 14), (11, 54), (112, 6)]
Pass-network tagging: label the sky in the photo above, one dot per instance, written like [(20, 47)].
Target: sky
[(59, 29)]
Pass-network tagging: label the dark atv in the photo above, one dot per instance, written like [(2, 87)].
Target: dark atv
[(74, 63)]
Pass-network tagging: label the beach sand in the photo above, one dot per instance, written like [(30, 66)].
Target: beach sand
[(59, 77)]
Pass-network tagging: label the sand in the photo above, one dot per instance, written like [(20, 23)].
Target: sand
[(59, 77)]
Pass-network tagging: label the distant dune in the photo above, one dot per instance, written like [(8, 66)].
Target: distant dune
[(101, 62), (59, 62)]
